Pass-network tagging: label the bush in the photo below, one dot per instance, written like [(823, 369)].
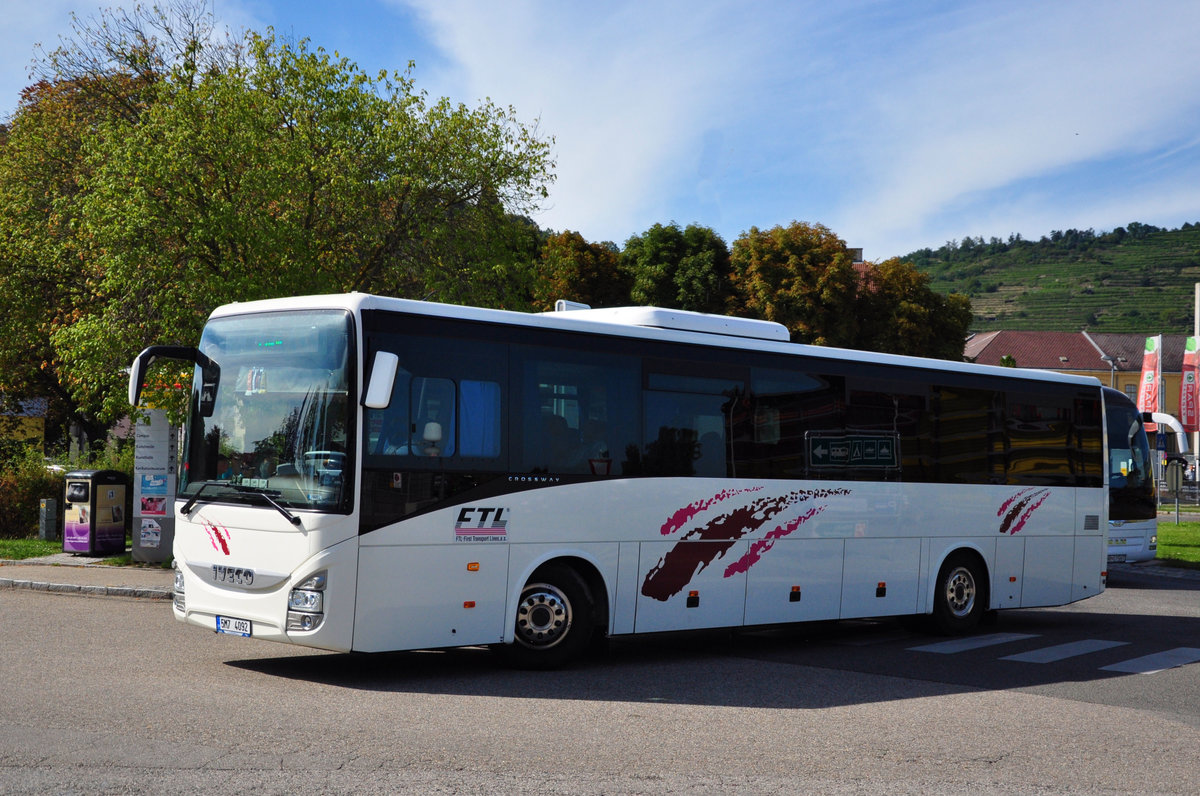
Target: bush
[(24, 481)]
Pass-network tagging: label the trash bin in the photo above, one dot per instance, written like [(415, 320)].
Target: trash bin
[(94, 521)]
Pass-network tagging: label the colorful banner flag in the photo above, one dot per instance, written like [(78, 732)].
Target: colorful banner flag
[(1148, 397), (1189, 406)]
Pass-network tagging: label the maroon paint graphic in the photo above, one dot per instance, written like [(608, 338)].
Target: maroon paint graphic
[(218, 535), (1017, 510), (703, 544)]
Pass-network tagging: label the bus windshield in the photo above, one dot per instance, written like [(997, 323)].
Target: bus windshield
[(1131, 478), (278, 423)]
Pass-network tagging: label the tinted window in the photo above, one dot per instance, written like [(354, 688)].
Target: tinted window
[(578, 411)]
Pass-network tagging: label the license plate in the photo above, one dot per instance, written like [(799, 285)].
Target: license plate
[(236, 627)]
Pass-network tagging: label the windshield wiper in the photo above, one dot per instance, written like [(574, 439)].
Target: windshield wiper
[(268, 495)]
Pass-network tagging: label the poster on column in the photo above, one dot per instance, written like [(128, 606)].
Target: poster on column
[(154, 486)]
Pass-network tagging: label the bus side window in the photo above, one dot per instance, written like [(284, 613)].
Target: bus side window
[(788, 407), (479, 418), (433, 416), (577, 413), (689, 419)]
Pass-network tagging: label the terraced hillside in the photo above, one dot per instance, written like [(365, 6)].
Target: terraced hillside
[(1135, 279)]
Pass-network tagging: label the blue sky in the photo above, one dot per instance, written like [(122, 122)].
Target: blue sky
[(898, 125)]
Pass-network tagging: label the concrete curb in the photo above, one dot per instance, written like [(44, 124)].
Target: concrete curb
[(136, 592)]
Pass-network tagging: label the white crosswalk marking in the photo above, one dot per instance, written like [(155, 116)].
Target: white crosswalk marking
[(1063, 651), (971, 643), (1149, 664)]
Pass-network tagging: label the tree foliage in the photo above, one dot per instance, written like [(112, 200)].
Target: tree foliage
[(684, 269), (804, 277), (900, 314), (801, 276), (572, 268), (153, 174)]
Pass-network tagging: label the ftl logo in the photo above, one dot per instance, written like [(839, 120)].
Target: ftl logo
[(481, 524)]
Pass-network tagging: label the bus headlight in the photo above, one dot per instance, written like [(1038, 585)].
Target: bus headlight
[(306, 600), (177, 597), (306, 604)]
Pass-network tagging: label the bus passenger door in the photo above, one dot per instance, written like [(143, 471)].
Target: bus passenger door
[(686, 585)]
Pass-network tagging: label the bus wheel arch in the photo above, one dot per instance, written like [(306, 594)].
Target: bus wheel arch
[(960, 595), (561, 607)]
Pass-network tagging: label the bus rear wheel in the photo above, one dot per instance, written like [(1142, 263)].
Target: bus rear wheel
[(961, 595), (554, 620)]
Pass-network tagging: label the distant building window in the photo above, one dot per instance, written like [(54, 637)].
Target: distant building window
[(1131, 390)]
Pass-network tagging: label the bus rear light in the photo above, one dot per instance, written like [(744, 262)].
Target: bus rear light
[(473, 566), (693, 599), (469, 604)]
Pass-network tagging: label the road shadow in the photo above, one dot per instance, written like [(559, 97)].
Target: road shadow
[(810, 666), (1152, 576)]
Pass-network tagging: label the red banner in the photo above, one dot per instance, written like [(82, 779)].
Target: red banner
[(1189, 409), (1148, 397)]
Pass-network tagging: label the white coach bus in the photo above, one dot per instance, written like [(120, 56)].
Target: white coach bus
[(367, 473)]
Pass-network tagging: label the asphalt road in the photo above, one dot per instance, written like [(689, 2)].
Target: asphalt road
[(104, 695)]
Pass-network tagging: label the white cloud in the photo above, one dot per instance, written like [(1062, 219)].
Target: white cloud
[(1010, 99), (898, 125), (627, 89), (877, 119)]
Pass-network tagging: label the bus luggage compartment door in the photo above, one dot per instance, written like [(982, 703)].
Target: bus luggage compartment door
[(430, 596), (688, 585)]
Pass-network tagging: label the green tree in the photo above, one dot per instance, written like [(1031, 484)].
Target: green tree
[(900, 314), (801, 276), (573, 269), (260, 169), (45, 273), (685, 269)]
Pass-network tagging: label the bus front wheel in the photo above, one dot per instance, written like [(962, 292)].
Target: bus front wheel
[(554, 620), (961, 595)]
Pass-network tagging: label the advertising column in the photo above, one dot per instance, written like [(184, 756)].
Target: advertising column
[(154, 488), (1189, 408), (1148, 392)]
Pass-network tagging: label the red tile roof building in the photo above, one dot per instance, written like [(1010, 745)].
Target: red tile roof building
[(1084, 353)]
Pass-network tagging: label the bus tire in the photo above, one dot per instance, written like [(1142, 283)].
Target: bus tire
[(960, 599), (554, 620)]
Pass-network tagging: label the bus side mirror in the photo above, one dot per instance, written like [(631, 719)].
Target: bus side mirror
[(210, 372), (383, 378), (210, 380)]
